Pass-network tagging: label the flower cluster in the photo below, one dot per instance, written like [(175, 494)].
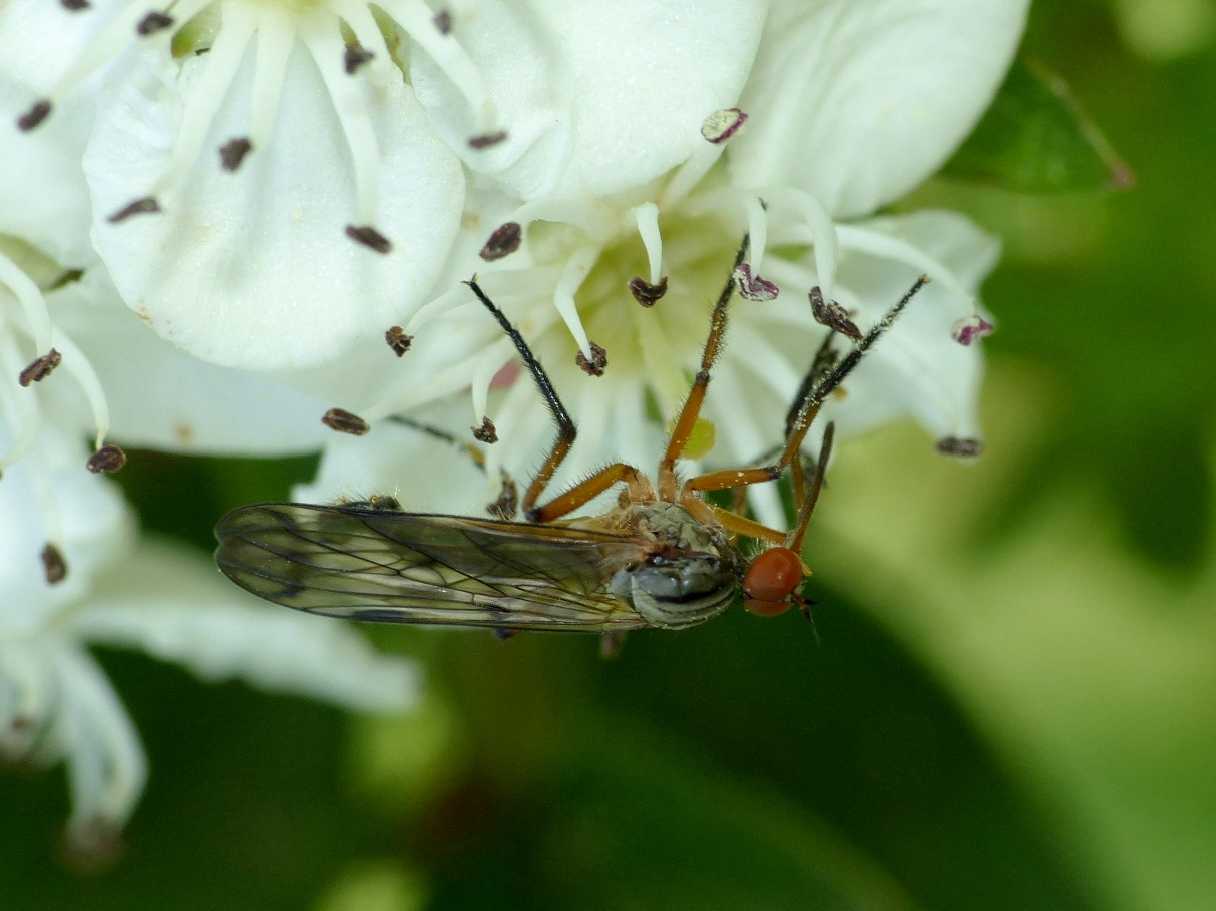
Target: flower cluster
[(235, 226)]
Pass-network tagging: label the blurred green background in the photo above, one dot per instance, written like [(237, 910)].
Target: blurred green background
[(1013, 705)]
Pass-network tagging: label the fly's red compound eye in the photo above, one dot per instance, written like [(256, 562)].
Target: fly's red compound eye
[(770, 581)]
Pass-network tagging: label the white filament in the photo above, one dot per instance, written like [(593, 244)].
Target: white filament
[(81, 370), (647, 218), (757, 232), (578, 266), (884, 246), (33, 305), (276, 36)]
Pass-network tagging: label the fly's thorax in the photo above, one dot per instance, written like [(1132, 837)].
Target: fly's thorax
[(691, 575)]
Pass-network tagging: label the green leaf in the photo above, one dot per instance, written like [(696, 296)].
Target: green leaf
[(1036, 139)]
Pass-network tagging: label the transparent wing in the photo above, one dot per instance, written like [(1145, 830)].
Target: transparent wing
[(395, 567)]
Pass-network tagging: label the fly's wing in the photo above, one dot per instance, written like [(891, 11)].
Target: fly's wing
[(366, 564)]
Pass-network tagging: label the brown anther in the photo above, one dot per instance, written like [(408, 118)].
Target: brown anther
[(397, 340), (233, 152), (74, 6), (54, 567), (645, 293), (144, 205), (40, 368), (37, 113), (369, 237), (960, 447), (754, 287), (503, 242), (831, 314), (343, 421), (443, 22), (152, 23), (507, 503), (487, 432), (354, 57), (485, 140), (720, 126), (594, 367), (106, 460)]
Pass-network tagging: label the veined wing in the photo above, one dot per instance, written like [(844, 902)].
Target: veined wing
[(368, 564)]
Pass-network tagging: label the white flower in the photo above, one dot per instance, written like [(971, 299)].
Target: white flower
[(235, 146), (847, 106), (71, 575)]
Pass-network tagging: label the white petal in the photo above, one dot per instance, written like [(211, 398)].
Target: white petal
[(252, 269), (596, 97), (163, 398), (178, 608), (858, 101), (91, 730)]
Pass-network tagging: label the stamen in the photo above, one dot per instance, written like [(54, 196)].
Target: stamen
[(864, 240), (145, 205), (369, 237), (487, 432), (354, 57), (645, 293), (757, 231), (233, 152), (574, 273), (54, 567), (107, 460), (960, 447), (207, 95), (276, 36), (152, 23), (37, 113), (33, 305), (647, 218), (343, 421), (504, 241), (40, 368), (967, 330), (20, 411), (717, 129), (832, 315), (416, 17), (350, 102), (487, 140), (595, 366), (81, 370), (397, 340), (823, 234), (754, 287)]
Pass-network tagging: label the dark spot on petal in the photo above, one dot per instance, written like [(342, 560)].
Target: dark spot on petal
[(37, 113), (107, 460), (754, 287), (645, 293), (354, 57), (142, 206), (74, 6), (960, 447), (397, 340), (594, 367), (233, 152), (832, 315), (369, 237), (54, 567), (487, 432), (443, 22), (503, 242), (343, 421), (152, 23), (40, 368), (486, 140)]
